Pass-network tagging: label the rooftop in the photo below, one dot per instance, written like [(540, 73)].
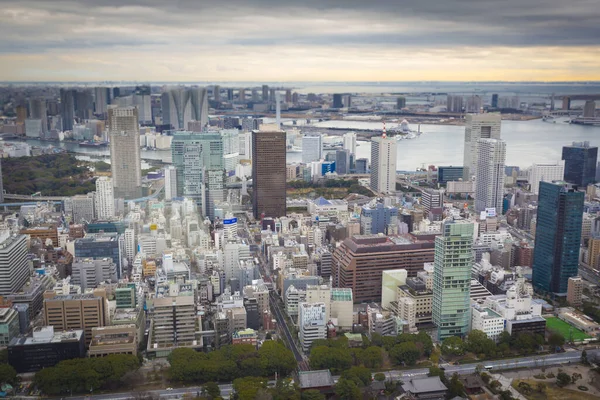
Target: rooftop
[(315, 379), (424, 385)]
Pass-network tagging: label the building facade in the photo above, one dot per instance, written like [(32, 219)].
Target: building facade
[(268, 173), (580, 163), (15, 266), (478, 126), (125, 154), (489, 182), (383, 164)]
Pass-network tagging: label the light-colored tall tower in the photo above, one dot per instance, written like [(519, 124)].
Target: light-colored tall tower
[(125, 152), (130, 247), (312, 148), (545, 173), (14, 265), (105, 198), (199, 100), (277, 110), (176, 108), (453, 261), (350, 142), (170, 182), (383, 164), (100, 100), (479, 126), (489, 182)]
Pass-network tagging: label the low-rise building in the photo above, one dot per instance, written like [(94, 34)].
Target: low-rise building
[(118, 339), (430, 388), (487, 321), (9, 325), (245, 336)]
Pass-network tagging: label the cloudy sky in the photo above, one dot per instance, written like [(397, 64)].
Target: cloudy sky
[(304, 40)]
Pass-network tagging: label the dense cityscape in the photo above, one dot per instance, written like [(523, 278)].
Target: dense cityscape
[(299, 200)]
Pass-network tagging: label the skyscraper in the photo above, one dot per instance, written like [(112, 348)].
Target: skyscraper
[(337, 101), (67, 105), (125, 152), (454, 104), (199, 99), (265, 93), (217, 93), (170, 182), (37, 110), (383, 164), (489, 182), (545, 173), (350, 142), (268, 172), (495, 100), (453, 261), (14, 263), (84, 104), (101, 96), (1, 184), (312, 148), (478, 126), (176, 108), (342, 162), (105, 198), (400, 102), (557, 236), (589, 109), (198, 160), (580, 163)]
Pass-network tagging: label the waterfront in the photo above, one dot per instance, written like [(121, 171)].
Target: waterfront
[(526, 141)]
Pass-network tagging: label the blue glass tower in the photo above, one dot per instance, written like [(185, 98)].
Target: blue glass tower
[(557, 236), (580, 163)]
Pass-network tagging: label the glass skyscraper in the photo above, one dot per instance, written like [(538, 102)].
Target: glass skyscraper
[(453, 260), (557, 236), (580, 163)]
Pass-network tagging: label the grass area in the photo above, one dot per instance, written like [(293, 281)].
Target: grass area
[(568, 331), (552, 392)]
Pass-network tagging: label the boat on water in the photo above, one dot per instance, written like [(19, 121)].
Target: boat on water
[(293, 149), (403, 131), (93, 144)]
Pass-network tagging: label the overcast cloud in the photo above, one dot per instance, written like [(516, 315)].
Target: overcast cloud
[(302, 40)]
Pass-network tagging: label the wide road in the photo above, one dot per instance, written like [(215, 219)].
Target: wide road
[(589, 274), (404, 375)]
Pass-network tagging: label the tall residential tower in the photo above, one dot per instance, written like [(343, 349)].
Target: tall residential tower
[(268, 172), (479, 126), (383, 164), (125, 155), (489, 181)]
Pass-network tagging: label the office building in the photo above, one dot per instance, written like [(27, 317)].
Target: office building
[(390, 280), (33, 128), (432, 199), (15, 266), (199, 105), (495, 100), (125, 295), (9, 325), (101, 97), (170, 182), (454, 104), (589, 109), (101, 245), (1, 184), (312, 148), (82, 207), (342, 162), (312, 323), (383, 164), (45, 348), (198, 160), (125, 155), (107, 340), (449, 173), (350, 142), (361, 165), (478, 126), (545, 173), (176, 108), (574, 291), (358, 263), (337, 101), (105, 199), (43, 233), (489, 182), (557, 237), (75, 311), (38, 111), (268, 173), (580, 163), (84, 104), (90, 273), (67, 105), (265, 93), (487, 320), (378, 218), (174, 323), (400, 103), (453, 262)]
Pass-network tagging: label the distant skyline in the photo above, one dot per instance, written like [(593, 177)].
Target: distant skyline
[(312, 40)]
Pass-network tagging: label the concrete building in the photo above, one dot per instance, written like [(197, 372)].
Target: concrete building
[(170, 182), (557, 236), (432, 199), (101, 97), (383, 164), (545, 173), (448, 174), (341, 307), (89, 273), (488, 321), (312, 148), (452, 279), (378, 219), (43, 233), (478, 126), (342, 162), (575, 291), (105, 199), (80, 311), (9, 325), (101, 245), (67, 106), (15, 266), (125, 155), (350, 142), (174, 323), (268, 172), (359, 262), (45, 348), (312, 324), (390, 280), (119, 339), (589, 109), (489, 182), (83, 208)]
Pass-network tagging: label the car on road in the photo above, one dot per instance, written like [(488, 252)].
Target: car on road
[(169, 388)]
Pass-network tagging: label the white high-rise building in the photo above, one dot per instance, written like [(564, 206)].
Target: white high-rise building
[(383, 164), (126, 166), (312, 148), (130, 248), (100, 100), (14, 263), (105, 198), (91, 272), (545, 173), (489, 181), (350, 142), (170, 182), (478, 126), (312, 323)]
